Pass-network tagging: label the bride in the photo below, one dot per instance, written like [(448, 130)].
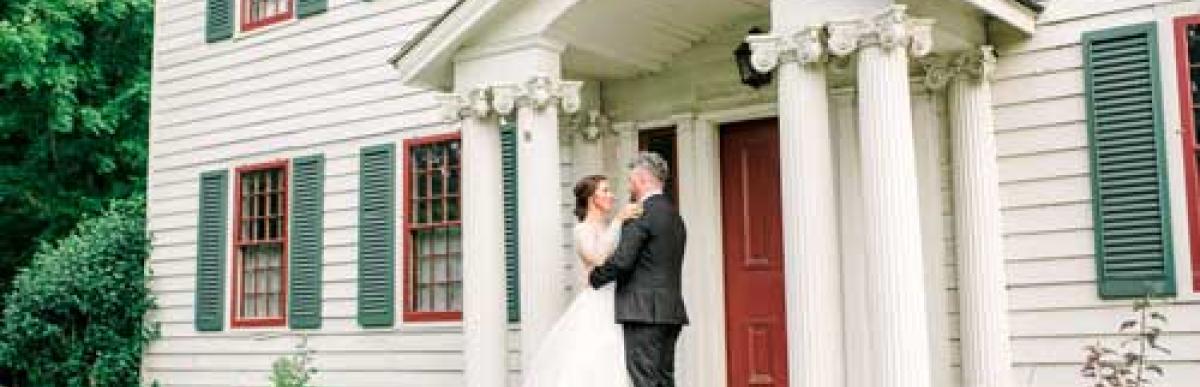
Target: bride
[(586, 347)]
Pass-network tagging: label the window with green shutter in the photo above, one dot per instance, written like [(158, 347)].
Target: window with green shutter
[(254, 14), (210, 250), (508, 157), (306, 236), (376, 235), (1129, 184)]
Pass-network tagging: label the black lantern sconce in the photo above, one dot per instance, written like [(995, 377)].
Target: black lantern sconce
[(749, 76)]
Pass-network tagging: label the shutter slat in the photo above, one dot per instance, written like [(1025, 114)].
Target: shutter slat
[(376, 236), (377, 239), (210, 251), (1130, 209), (508, 159), (218, 21), (306, 242)]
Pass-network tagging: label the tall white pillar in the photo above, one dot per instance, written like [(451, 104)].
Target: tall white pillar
[(983, 302), (894, 265), (812, 267), (543, 296), (485, 325)]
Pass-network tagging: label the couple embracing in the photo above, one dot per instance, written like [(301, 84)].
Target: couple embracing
[(620, 331)]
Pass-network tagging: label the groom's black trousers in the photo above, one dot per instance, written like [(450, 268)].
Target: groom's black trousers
[(650, 353)]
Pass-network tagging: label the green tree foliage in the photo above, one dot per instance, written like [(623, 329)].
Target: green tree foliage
[(76, 315), (74, 105)]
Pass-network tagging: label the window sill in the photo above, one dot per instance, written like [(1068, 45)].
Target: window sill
[(280, 322), (243, 35)]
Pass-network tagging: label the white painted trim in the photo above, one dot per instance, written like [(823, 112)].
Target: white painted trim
[(1015, 15), (1173, 135), (535, 42)]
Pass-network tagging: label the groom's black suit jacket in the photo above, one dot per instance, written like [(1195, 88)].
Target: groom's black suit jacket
[(648, 266)]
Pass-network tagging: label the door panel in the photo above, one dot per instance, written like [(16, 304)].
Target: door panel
[(753, 249)]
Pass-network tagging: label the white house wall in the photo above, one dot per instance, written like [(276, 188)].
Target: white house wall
[(315, 85), (1045, 189)]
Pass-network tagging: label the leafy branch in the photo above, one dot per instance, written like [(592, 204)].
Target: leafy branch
[(1129, 364)]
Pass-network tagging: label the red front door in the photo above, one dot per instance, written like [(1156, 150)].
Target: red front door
[(752, 228)]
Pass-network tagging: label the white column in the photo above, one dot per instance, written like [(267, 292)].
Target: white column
[(540, 225), (894, 264), (484, 316), (986, 356), (812, 270)]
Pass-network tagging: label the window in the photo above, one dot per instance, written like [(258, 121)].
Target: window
[(261, 13), (1187, 53), (433, 229), (259, 245)]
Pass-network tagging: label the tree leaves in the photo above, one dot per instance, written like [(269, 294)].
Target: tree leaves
[(74, 92)]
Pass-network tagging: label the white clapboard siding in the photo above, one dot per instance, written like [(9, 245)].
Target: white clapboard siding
[(1046, 197), (316, 85)]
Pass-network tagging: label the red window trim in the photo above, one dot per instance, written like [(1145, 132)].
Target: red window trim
[(235, 288), (249, 25), (409, 314), (1189, 141)]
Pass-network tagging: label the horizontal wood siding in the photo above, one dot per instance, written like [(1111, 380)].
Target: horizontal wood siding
[(319, 85), (1041, 128)]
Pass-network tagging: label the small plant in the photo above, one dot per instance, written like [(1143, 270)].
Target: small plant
[(295, 370), (1128, 365)]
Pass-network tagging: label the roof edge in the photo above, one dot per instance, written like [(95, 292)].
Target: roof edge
[(424, 32)]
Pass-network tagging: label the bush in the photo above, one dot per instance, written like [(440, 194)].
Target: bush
[(295, 370), (76, 315)]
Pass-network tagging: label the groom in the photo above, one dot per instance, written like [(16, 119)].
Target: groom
[(647, 266)]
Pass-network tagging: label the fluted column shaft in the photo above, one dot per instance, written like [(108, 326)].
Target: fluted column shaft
[(542, 270), (896, 312), (895, 281), (484, 316), (986, 356), (812, 266)]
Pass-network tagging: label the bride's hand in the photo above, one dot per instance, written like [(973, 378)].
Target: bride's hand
[(630, 211)]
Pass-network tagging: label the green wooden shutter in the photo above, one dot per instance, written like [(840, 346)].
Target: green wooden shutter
[(306, 8), (306, 242), (211, 226), (218, 22), (508, 161), (1129, 183), (376, 235)]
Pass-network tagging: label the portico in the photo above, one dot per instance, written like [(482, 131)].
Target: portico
[(862, 90)]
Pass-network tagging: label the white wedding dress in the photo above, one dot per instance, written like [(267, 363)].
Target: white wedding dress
[(586, 346)]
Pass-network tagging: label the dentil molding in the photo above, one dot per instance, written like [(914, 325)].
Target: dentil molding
[(539, 92), (976, 65), (889, 29)]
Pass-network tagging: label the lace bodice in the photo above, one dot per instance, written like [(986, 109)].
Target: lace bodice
[(594, 243)]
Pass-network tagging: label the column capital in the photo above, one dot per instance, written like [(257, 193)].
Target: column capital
[(890, 29), (977, 65), (538, 91), (804, 46)]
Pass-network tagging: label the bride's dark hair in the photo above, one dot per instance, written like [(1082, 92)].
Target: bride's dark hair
[(584, 189)]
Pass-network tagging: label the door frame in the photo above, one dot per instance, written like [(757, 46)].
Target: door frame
[(702, 359)]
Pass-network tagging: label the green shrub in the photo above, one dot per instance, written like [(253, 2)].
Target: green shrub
[(76, 315), (295, 370)]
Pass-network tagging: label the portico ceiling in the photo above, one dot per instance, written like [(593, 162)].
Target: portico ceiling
[(602, 39)]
